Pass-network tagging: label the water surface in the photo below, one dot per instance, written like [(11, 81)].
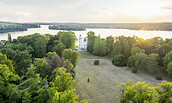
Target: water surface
[(103, 33)]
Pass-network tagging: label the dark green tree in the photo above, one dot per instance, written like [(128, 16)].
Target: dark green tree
[(59, 47), (67, 38), (40, 47), (110, 43), (91, 40)]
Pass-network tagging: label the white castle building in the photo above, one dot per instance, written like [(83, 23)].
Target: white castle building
[(82, 43)]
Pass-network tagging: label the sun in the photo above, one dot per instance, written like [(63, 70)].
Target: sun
[(147, 10)]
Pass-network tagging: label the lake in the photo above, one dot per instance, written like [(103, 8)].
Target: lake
[(103, 33)]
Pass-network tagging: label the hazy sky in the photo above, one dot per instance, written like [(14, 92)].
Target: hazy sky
[(86, 10)]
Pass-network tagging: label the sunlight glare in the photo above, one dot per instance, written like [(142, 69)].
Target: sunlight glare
[(147, 10)]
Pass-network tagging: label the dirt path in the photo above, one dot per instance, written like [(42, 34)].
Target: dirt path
[(104, 80)]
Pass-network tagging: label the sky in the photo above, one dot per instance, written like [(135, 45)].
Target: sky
[(86, 11)]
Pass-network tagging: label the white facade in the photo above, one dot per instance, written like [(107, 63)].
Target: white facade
[(82, 44)]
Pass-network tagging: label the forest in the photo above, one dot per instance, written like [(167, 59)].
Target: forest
[(12, 27), (132, 26), (38, 69), (67, 27), (41, 68)]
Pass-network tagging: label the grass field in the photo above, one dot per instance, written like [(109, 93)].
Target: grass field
[(104, 79)]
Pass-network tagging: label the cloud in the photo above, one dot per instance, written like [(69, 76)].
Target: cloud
[(104, 8), (167, 7), (26, 17)]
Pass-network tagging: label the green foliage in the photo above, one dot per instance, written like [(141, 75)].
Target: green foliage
[(96, 62), (63, 80), (40, 47), (67, 27), (91, 40), (158, 77), (67, 38), (47, 80), (22, 62), (50, 54), (145, 93), (100, 47), (9, 38), (169, 69), (29, 39), (167, 59), (122, 46), (41, 65), (110, 43), (71, 55), (165, 92), (59, 47), (119, 60), (4, 60), (133, 69), (136, 50), (139, 61), (162, 51), (152, 65), (7, 76)]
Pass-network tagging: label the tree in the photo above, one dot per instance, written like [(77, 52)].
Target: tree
[(119, 60), (59, 47), (63, 80), (50, 43), (91, 40), (7, 77), (138, 61), (29, 39), (152, 64), (136, 50), (71, 55), (167, 59), (22, 62), (122, 45), (110, 43), (40, 47), (169, 69), (67, 38), (147, 45), (9, 38), (143, 62), (100, 47), (145, 93), (41, 65), (162, 51)]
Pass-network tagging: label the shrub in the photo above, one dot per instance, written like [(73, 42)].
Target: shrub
[(158, 77), (71, 55), (145, 93), (169, 69), (134, 70), (96, 62), (119, 60)]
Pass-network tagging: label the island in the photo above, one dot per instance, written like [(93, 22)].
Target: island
[(67, 27), (12, 27)]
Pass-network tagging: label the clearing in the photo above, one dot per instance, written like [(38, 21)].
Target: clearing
[(104, 79)]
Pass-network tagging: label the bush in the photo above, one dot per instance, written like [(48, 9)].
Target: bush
[(119, 60), (145, 93), (169, 69), (96, 62), (134, 70), (158, 77)]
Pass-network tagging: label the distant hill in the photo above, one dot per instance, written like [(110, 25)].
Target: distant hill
[(132, 26), (11, 27)]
